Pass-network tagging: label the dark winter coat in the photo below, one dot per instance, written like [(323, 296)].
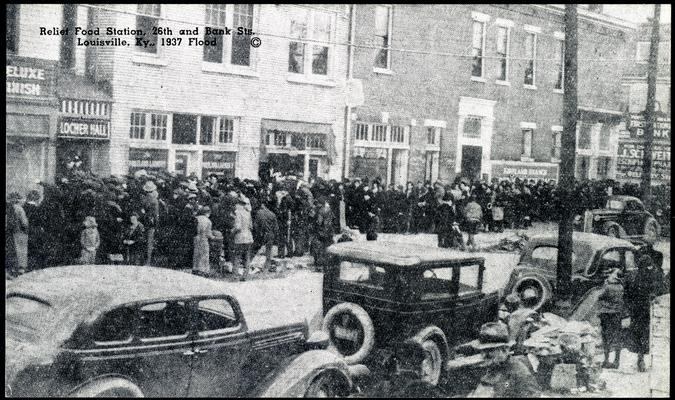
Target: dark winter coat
[(265, 226)]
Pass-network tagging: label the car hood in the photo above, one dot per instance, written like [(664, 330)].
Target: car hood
[(604, 212), (529, 267)]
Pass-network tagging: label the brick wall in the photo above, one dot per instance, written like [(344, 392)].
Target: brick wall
[(429, 86)]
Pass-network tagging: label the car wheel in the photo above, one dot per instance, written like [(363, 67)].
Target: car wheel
[(351, 332), (113, 387), (651, 231), (432, 365), (326, 385), (533, 291)]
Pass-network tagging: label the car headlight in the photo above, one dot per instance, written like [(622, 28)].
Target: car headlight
[(577, 218), (596, 218), (659, 212)]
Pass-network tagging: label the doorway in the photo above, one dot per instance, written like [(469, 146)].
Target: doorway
[(182, 162), (471, 162)]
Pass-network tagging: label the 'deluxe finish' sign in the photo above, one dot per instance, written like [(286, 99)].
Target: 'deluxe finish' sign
[(29, 78)]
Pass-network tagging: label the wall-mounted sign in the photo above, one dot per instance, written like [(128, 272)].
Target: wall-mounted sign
[(370, 152), (535, 171), (217, 162), (29, 77), (148, 159), (83, 129), (630, 160), (637, 124)]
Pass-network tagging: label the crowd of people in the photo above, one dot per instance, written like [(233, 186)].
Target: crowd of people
[(176, 221)]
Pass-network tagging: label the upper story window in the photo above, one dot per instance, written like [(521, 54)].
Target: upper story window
[(383, 27), (141, 121), (527, 143), (12, 28), (431, 135), (530, 58), (147, 23), (310, 49), (584, 139), (472, 127), (237, 17), (478, 48), (502, 53), (560, 64), (604, 137)]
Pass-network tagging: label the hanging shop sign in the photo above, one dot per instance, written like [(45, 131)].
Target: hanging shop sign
[(219, 163), (148, 159), (522, 171), (78, 128), (29, 78), (629, 162)]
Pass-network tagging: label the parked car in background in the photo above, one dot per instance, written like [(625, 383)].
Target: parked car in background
[(378, 294), (132, 331), (623, 217), (593, 257)]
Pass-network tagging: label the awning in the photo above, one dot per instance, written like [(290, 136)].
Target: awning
[(600, 113), (300, 128), (71, 86)]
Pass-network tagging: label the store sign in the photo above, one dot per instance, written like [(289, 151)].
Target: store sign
[(370, 152), (637, 125), (148, 159), (630, 161), (219, 163), (83, 129), (29, 77), (536, 172)]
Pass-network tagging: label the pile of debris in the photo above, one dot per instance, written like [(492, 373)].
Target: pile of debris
[(513, 244)]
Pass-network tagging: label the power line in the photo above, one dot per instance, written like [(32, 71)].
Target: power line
[(366, 46)]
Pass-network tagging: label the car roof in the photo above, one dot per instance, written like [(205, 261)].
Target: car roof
[(398, 254), (93, 286), (622, 197), (591, 240)]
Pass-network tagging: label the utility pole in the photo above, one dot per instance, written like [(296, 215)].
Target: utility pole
[(652, 69), (567, 158)]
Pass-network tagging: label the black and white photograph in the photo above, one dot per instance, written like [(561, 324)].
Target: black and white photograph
[(337, 200)]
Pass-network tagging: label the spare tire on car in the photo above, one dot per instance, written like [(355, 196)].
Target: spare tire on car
[(351, 332), (533, 291)]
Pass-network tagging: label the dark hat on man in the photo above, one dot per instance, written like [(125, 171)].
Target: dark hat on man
[(492, 335)]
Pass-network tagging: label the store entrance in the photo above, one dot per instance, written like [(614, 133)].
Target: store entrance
[(471, 162)]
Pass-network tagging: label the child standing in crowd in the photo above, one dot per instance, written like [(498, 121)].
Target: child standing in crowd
[(90, 241)]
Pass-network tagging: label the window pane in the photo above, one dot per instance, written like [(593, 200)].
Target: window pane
[(477, 41), (529, 45), (321, 26), (472, 127), (435, 283), (213, 53), (206, 127), (296, 57), (382, 56), (527, 142), (477, 49), (226, 132), (361, 131), (584, 136), (502, 37), (299, 25), (381, 21), (146, 24), (115, 326), (468, 279), (216, 314), (137, 126), (529, 72), (364, 274), (163, 319), (382, 16), (604, 137), (320, 60), (158, 126), (215, 15), (241, 44)]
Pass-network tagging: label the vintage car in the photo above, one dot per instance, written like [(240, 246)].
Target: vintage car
[(377, 294), (623, 217), (132, 331), (593, 256)]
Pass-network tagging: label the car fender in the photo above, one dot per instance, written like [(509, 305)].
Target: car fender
[(522, 271), (435, 333), (293, 378), (90, 382), (610, 224)]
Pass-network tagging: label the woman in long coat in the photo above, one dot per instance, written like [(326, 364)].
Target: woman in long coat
[(17, 227), (200, 258)]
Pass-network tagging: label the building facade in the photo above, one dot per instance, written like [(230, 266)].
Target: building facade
[(634, 82), (201, 103), (477, 90)]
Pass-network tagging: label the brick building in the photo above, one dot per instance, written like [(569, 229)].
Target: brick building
[(226, 107), (476, 90)]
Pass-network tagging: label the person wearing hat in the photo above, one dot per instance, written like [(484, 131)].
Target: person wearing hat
[(89, 240), (324, 231), (639, 293), (506, 375), (201, 263), (150, 213), (611, 305), (17, 231), (265, 232)]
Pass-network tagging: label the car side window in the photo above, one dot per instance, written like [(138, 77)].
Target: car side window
[(469, 279), (548, 255), (214, 315), (166, 319), (114, 327), (436, 283), (361, 273), (610, 259), (629, 257)]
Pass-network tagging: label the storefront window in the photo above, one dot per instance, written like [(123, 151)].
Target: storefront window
[(184, 129), (207, 124)]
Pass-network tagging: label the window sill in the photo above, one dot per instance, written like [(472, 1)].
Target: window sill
[(228, 70), (559, 91), (530, 87), (502, 83), (383, 71), (311, 81), (149, 60), (478, 79), (555, 160), (526, 159)]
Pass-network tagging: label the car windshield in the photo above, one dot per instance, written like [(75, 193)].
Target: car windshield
[(614, 204), (26, 316)]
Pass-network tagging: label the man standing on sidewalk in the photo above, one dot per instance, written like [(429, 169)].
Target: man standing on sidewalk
[(150, 210), (243, 236), (265, 230), (474, 215)]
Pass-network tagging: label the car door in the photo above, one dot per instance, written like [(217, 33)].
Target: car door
[(221, 348), (164, 348), (471, 308), (634, 218)]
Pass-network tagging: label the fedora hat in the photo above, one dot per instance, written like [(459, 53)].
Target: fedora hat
[(90, 222), (149, 186), (492, 335)]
